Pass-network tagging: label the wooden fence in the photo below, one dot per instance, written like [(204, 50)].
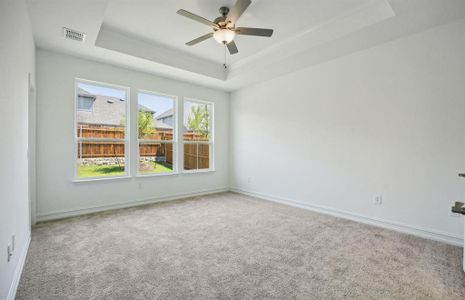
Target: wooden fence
[(196, 156)]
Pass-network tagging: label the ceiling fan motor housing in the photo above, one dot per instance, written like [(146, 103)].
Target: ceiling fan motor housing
[(224, 11), (224, 27), (221, 21)]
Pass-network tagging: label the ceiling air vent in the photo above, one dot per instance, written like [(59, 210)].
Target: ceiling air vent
[(74, 35)]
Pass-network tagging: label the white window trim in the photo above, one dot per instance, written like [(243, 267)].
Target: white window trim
[(178, 136), (174, 141), (211, 142), (126, 140)]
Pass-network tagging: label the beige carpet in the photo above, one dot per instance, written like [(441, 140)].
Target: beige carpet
[(228, 246)]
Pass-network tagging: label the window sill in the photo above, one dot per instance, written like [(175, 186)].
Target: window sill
[(198, 171), (126, 177), (156, 175), (97, 179)]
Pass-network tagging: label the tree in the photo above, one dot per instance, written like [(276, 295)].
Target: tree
[(145, 123), (198, 120)]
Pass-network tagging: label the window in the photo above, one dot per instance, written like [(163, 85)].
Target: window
[(85, 103), (198, 135), (156, 138), (102, 133), (101, 130)]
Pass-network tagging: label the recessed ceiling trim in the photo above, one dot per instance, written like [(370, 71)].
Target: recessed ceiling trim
[(367, 15), (319, 43), (116, 41)]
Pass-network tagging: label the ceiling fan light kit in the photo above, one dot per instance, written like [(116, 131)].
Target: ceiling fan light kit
[(224, 35), (224, 27)]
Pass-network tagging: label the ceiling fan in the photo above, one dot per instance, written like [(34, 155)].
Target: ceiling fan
[(224, 27)]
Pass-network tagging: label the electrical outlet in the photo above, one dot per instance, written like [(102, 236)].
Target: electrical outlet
[(9, 253), (378, 200)]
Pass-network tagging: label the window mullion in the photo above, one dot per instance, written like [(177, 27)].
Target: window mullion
[(155, 141), (198, 142)]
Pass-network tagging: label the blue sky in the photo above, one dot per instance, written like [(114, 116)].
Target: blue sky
[(104, 91), (158, 103)]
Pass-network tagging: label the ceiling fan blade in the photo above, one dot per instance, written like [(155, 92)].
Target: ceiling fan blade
[(254, 31), (232, 48), (197, 18), (237, 10), (200, 39)]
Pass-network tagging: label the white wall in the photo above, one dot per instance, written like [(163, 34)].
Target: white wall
[(389, 120), (57, 194), (17, 60)]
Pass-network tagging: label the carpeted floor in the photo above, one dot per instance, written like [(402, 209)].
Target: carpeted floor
[(229, 246)]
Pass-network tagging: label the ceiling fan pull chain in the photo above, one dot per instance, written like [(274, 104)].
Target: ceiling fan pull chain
[(224, 65)]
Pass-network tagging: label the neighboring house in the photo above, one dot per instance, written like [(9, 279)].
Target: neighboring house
[(166, 118), (97, 110), (105, 111)]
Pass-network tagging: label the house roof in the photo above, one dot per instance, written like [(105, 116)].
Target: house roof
[(166, 114), (146, 109), (106, 110), (160, 120), (84, 93), (109, 111)]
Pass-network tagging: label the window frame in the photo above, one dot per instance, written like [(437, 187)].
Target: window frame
[(211, 142), (127, 132), (174, 141)]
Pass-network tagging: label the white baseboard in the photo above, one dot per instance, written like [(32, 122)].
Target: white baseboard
[(88, 210), (392, 225), (18, 270), (404, 228)]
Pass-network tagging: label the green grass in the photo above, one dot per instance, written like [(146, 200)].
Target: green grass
[(115, 170), (155, 168), (100, 171)]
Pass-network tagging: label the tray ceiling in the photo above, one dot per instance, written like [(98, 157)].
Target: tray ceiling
[(157, 22), (149, 36)]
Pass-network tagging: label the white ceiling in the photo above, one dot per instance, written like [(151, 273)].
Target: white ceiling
[(149, 36), (157, 21)]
